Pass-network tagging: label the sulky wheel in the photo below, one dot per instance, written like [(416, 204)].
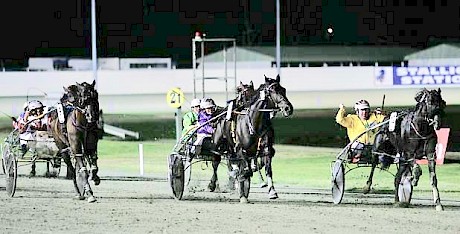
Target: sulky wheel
[(338, 181), (405, 188), (176, 175), (10, 166)]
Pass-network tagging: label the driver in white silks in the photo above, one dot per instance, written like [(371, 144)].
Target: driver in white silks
[(358, 123), (34, 115)]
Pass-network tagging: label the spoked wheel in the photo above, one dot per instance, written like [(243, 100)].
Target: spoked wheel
[(10, 166), (338, 181), (405, 188), (176, 175)]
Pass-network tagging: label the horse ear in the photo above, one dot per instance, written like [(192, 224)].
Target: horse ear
[(251, 84), (65, 89), (94, 83), (278, 78), (266, 78), (439, 90), (241, 83)]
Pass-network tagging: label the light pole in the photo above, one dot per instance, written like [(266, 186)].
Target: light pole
[(93, 41), (278, 46)]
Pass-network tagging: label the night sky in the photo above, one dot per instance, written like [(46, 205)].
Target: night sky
[(164, 28)]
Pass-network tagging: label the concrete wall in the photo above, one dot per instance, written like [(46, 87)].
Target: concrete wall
[(144, 91)]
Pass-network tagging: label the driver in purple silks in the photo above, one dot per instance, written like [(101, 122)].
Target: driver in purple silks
[(205, 114), (207, 107)]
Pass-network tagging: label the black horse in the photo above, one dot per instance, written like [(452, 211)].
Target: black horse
[(250, 126), (265, 150), (82, 135), (223, 139), (414, 137)]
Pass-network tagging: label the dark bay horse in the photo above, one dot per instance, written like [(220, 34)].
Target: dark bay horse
[(414, 137), (223, 138), (265, 151), (251, 126), (82, 135)]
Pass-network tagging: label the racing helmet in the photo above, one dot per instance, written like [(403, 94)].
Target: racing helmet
[(195, 102), (361, 105), (207, 104), (34, 104)]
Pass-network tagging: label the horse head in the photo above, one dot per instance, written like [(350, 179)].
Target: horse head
[(431, 105), (84, 98), (245, 94), (277, 95)]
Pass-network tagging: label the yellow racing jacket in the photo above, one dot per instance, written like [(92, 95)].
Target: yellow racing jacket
[(356, 126)]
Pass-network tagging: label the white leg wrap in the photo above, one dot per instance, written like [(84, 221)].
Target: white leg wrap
[(270, 182)]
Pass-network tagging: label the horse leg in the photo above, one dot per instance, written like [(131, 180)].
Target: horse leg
[(215, 165), (91, 151), (272, 194), (397, 181), (368, 186), (83, 186), (259, 165), (231, 179), (47, 173), (94, 168), (70, 174), (244, 180), (32, 170), (434, 182)]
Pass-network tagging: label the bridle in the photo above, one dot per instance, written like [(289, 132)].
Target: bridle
[(428, 111)]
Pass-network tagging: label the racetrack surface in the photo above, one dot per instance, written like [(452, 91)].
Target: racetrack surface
[(145, 205)]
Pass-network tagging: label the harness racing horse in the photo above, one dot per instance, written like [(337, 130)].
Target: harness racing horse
[(223, 138), (265, 150), (251, 126), (414, 137), (81, 137)]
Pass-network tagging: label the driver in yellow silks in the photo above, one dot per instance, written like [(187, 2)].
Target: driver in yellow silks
[(358, 123)]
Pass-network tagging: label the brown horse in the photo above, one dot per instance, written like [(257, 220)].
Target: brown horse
[(81, 139)]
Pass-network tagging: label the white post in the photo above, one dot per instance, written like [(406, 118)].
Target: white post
[(141, 159)]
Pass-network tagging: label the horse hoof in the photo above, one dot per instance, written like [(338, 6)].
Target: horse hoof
[(439, 208), (263, 184), (96, 180), (404, 204), (366, 190), (244, 200), (91, 199), (272, 194), (211, 187), (78, 197)]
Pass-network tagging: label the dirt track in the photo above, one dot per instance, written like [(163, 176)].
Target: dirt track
[(44, 205)]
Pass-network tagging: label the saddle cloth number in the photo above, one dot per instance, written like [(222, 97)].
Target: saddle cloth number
[(392, 124)]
